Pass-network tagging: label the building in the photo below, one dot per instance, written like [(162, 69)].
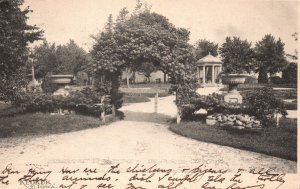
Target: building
[(155, 77), (208, 70)]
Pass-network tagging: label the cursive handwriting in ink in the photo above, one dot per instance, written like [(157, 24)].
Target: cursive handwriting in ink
[(35, 176), (152, 169), (143, 177), (4, 179), (9, 170), (233, 186), (68, 186), (68, 171), (131, 186), (269, 175), (103, 185)]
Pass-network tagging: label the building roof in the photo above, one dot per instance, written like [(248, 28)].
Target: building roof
[(209, 59)]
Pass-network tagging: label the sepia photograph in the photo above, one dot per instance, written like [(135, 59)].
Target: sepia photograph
[(149, 94)]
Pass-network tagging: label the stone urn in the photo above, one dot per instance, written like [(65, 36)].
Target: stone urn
[(63, 81), (233, 80)]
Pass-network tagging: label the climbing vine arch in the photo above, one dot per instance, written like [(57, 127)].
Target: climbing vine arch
[(144, 36)]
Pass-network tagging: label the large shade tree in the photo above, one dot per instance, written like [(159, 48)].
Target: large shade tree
[(15, 35), (142, 37), (270, 57), (237, 55)]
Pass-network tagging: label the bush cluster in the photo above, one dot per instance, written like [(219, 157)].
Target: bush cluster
[(260, 103), (86, 101)]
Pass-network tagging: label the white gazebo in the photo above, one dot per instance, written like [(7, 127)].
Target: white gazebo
[(208, 70)]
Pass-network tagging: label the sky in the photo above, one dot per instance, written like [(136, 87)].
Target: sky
[(213, 20)]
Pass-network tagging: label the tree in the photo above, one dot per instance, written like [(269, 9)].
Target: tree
[(144, 37), (45, 59), (269, 56), (289, 74), (107, 63), (15, 35), (203, 47), (295, 55), (71, 58), (237, 55)]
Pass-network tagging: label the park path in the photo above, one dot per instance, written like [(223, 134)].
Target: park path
[(141, 136)]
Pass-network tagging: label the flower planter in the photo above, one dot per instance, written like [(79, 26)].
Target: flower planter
[(233, 80), (62, 81)]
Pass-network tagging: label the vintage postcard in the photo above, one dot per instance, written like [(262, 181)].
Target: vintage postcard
[(149, 94)]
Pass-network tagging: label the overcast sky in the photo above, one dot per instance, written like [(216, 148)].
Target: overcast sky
[(212, 19)]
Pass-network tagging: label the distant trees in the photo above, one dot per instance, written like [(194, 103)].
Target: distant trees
[(269, 57), (266, 57), (203, 47), (61, 59), (15, 35)]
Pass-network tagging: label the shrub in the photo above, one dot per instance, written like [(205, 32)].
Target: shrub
[(85, 102), (260, 103), (263, 104), (39, 102)]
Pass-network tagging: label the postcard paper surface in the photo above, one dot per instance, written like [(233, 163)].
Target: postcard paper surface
[(67, 146)]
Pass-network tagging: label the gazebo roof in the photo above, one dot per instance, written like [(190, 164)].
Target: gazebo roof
[(209, 59)]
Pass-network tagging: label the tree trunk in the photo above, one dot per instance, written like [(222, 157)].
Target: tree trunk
[(114, 91), (165, 77), (262, 76), (127, 77)]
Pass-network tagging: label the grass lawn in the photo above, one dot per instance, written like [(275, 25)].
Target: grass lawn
[(280, 142), (42, 124), (135, 99)]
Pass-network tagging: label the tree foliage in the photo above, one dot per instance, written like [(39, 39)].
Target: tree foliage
[(270, 57), (237, 55), (61, 59), (204, 47), (141, 38), (289, 74), (15, 35), (146, 68)]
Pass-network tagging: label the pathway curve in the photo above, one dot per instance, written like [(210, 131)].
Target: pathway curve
[(140, 138)]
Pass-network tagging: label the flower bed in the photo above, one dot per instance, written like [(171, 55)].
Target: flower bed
[(260, 103)]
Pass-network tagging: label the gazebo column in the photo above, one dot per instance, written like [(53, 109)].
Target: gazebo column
[(204, 73), (198, 74), (213, 74)]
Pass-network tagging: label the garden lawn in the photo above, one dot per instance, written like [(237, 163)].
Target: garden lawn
[(41, 124), (280, 142), (135, 99)]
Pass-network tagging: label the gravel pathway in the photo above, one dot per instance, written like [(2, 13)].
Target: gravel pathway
[(140, 138)]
